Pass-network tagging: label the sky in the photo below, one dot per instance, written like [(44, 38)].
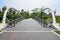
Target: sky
[(31, 4)]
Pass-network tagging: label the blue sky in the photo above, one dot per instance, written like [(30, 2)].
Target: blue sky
[(30, 4), (2, 2)]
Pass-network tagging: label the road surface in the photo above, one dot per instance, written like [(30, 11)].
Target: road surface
[(23, 31), (29, 36), (29, 25)]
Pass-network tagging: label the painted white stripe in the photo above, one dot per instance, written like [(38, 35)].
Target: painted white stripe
[(27, 31)]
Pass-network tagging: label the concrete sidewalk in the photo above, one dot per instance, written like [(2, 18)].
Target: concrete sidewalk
[(3, 25)]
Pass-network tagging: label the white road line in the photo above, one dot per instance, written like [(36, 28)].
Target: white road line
[(27, 31)]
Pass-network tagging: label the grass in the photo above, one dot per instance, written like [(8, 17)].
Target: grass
[(58, 32), (0, 30), (50, 19), (57, 19)]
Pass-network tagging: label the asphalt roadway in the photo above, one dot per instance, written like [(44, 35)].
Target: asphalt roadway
[(29, 29), (29, 25), (29, 36)]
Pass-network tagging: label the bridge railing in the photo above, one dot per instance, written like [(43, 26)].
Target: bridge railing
[(12, 22), (44, 22)]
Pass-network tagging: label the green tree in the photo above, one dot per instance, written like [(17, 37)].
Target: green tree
[(2, 12), (22, 12), (35, 12), (4, 8)]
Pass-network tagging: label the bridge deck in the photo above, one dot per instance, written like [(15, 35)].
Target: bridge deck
[(29, 25)]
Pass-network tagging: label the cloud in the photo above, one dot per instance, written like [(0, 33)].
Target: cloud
[(29, 4)]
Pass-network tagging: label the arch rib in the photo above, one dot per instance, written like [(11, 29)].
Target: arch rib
[(4, 16)]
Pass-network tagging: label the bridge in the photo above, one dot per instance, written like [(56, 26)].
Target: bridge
[(29, 29), (4, 24)]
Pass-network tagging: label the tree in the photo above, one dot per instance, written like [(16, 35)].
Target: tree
[(42, 14), (2, 13), (4, 8), (35, 12), (22, 12), (11, 13)]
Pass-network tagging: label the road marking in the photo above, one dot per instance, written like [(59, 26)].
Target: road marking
[(27, 31), (12, 36)]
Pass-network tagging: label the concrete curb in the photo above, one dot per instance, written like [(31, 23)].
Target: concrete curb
[(56, 26), (56, 33)]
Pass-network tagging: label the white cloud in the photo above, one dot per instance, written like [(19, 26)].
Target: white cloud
[(29, 4)]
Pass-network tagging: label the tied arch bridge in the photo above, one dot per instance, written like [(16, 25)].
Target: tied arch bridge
[(4, 24)]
